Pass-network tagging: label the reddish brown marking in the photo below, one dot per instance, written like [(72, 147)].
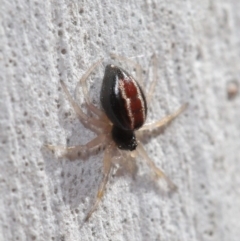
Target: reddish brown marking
[(138, 119), (136, 105), (130, 88)]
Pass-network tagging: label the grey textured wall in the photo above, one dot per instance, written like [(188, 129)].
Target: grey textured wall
[(197, 44)]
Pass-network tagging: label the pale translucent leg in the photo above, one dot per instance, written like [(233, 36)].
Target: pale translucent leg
[(166, 120), (73, 152), (127, 163), (154, 81), (107, 164), (158, 172), (138, 67), (90, 122), (83, 83)]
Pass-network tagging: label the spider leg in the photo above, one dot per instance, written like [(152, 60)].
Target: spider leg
[(83, 83), (154, 82), (157, 171), (73, 152), (166, 120), (134, 64), (126, 161), (89, 122), (107, 164)]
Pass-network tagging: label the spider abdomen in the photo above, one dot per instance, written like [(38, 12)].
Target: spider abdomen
[(122, 99)]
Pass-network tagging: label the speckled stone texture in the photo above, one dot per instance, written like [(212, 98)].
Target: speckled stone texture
[(197, 44)]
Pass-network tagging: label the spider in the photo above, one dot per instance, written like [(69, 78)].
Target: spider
[(119, 125)]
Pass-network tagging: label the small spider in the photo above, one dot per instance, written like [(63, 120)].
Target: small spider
[(124, 111)]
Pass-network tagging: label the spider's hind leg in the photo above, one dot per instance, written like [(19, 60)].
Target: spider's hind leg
[(157, 171), (137, 66), (154, 81), (83, 83), (107, 167), (164, 121), (73, 152), (89, 122)]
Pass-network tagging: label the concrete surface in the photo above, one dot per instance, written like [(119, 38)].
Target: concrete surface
[(197, 44)]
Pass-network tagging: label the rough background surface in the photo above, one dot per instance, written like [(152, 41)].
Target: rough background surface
[(197, 44)]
